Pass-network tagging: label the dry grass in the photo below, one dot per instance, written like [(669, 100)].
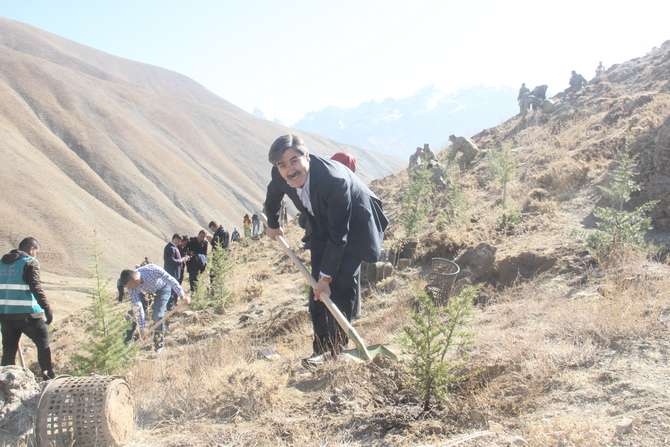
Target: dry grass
[(219, 380)]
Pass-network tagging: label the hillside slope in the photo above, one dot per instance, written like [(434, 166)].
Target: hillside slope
[(567, 349), (93, 142)]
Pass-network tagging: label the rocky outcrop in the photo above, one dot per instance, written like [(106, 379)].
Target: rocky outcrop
[(477, 263), (526, 265), (19, 396), (654, 151)]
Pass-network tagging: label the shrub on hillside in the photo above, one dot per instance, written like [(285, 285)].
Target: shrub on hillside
[(105, 352), (619, 229), (216, 294), (436, 331), (503, 168), (502, 164), (416, 201)]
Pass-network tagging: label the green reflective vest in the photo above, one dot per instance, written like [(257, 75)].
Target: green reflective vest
[(15, 294)]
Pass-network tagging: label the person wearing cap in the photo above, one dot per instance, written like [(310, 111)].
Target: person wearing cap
[(347, 224)]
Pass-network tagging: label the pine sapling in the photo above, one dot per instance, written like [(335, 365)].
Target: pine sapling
[(435, 332), (105, 352), (416, 201), (617, 228)]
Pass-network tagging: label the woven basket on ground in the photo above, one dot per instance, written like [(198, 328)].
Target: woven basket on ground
[(443, 274), (85, 411)]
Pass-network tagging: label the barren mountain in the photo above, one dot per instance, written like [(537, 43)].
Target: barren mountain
[(101, 150)]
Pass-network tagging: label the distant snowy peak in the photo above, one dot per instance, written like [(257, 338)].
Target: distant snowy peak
[(397, 126)]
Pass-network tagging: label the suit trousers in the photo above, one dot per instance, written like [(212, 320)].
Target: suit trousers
[(328, 336)]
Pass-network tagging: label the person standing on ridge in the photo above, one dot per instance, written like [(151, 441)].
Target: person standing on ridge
[(523, 99)]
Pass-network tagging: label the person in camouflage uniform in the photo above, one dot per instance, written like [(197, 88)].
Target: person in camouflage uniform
[(464, 146)]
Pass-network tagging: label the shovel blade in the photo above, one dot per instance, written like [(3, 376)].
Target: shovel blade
[(373, 350), (351, 355)]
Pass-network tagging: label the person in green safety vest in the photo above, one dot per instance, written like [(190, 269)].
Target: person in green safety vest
[(24, 308)]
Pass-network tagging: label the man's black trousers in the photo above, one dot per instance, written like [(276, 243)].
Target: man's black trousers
[(36, 330), (328, 336)]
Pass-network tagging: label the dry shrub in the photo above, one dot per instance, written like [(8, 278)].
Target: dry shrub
[(248, 393), (169, 389), (535, 334), (388, 285), (253, 290), (568, 430), (563, 177)]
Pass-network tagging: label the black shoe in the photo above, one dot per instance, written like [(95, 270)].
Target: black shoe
[(316, 360)]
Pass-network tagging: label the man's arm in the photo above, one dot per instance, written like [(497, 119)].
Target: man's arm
[(174, 285), (176, 257), (273, 198), (31, 275)]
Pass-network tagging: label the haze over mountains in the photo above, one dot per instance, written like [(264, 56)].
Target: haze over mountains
[(94, 142), (397, 126)]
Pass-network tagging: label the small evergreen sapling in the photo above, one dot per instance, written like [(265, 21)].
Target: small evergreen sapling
[(617, 228), (105, 352), (436, 331)]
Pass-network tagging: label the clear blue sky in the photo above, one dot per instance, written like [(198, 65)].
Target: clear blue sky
[(291, 57)]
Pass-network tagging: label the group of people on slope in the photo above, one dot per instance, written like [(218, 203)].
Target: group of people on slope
[(346, 222)]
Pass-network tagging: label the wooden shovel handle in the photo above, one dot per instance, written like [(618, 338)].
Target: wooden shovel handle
[(325, 299)]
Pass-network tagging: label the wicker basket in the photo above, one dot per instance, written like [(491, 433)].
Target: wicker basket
[(443, 274), (85, 411)]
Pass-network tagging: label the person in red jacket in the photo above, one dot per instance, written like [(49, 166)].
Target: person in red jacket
[(346, 159)]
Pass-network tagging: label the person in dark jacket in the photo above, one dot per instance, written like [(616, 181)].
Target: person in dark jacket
[(182, 246), (219, 235), (173, 263), (255, 226), (197, 251), (24, 308), (235, 235), (347, 224)]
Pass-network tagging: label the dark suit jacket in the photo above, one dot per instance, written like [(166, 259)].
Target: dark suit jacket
[(172, 260), (347, 215)]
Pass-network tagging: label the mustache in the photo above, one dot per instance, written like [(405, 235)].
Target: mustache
[(294, 175)]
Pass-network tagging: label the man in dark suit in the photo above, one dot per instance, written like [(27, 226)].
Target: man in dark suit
[(347, 227), (173, 262)]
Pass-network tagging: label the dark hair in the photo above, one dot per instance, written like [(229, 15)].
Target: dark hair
[(284, 143), (213, 224), (175, 236), (126, 276), (202, 232), (28, 244)]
